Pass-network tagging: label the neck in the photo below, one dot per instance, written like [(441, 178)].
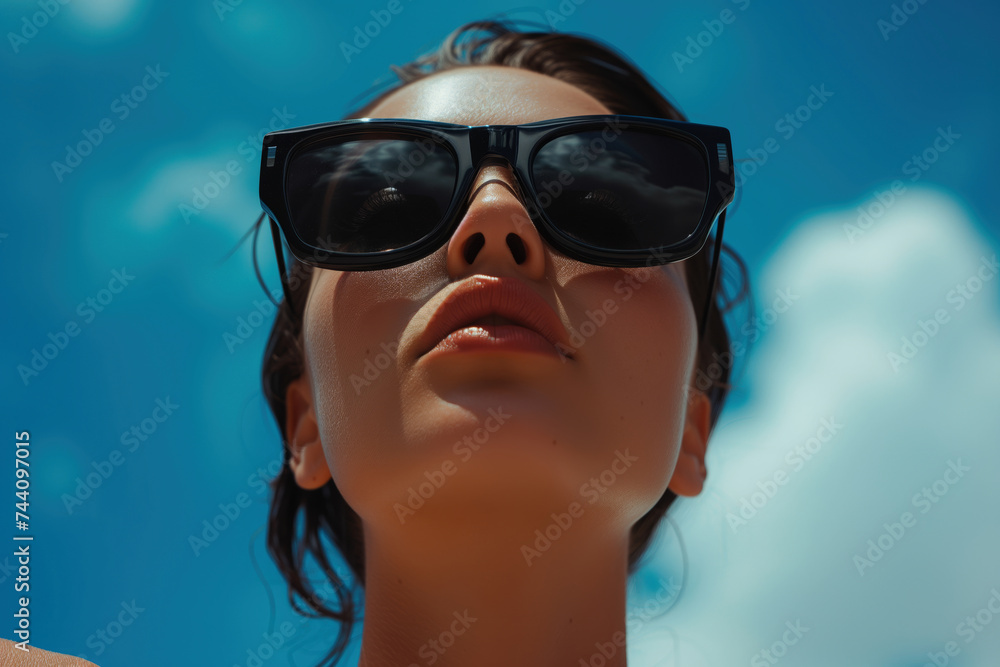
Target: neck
[(478, 598)]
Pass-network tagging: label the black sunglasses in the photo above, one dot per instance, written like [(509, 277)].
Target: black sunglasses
[(611, 190)]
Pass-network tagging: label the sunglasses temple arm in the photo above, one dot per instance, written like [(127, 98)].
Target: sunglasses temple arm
[(712, 277), (279, 253)]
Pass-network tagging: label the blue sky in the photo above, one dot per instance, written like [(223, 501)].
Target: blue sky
[(906, 132)]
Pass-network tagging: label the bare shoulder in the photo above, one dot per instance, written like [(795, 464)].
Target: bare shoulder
[(10, 656)]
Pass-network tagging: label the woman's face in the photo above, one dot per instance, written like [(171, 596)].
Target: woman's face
[(413, 439)]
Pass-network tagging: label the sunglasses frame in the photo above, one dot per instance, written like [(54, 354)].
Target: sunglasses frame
[(518, 145)]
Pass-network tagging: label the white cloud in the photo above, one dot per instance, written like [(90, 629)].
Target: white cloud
[(195, 256), (189, 182), (106, 14), (901, 430)]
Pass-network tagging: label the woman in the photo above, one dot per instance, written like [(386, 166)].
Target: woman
[(490, 428)]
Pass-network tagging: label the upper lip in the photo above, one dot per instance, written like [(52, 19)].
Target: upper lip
[(482, 296)]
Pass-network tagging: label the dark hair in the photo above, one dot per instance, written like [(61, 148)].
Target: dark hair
[(612, 79)]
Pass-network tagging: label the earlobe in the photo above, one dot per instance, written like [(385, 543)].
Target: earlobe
[(306, 458), (690, 472)]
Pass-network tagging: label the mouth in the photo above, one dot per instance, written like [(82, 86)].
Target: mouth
[(493, 314), (496, 334), (494, 319)]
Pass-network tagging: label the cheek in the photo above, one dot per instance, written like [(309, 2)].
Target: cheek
[(354, 373), (637, 345)]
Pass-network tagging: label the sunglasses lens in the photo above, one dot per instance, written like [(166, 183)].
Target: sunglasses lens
[(370, 192), (629, 190)]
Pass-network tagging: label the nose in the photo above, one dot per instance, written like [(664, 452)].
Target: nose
[(496, 235)]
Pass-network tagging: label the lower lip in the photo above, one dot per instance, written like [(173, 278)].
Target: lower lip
[(494, 338)]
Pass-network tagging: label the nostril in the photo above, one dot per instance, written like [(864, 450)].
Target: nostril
[(516, 245), (473, 246)]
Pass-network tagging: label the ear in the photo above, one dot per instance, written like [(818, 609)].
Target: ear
[(690, 472), (306, 460)]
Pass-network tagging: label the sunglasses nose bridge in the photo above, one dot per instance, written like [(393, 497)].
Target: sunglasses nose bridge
[(489, 141), (493, 146)]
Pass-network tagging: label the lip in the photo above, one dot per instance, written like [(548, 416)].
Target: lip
[(533, 325)]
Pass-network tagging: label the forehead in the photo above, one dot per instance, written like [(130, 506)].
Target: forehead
[(487, 94)]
